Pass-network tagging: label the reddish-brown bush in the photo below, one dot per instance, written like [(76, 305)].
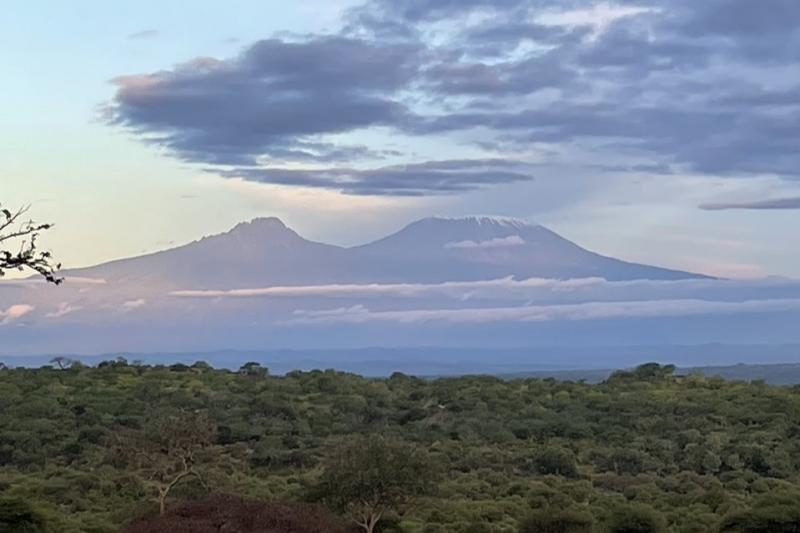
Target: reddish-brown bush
[(231, 514)]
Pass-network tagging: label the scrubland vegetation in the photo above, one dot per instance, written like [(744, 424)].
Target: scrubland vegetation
[(113, 447)]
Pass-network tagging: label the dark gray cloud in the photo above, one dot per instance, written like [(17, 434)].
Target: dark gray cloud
[(388, 19), (755, 30), (275, 100), (520, 77), (774, 203), (642, 168), (680, 131), (680, 81), (431, 177), (670, 86)]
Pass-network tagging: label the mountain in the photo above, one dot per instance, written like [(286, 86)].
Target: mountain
[(443, 249), (264, 252), (261, 251), (480, 282)]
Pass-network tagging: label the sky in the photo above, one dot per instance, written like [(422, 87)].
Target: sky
[(657, 131)]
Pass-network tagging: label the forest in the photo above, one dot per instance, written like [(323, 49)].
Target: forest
[(123, 446)]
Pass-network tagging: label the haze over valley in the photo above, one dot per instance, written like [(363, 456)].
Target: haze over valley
[(475, 283)]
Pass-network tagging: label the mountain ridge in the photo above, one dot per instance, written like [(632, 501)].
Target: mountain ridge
[(265, 250)]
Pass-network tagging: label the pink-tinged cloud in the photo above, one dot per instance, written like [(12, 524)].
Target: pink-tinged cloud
[(64, 308), (15, 312)]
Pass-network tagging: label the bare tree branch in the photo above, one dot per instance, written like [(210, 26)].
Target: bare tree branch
[(18, 237)]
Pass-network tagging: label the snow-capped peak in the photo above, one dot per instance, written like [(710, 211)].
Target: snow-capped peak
[(489, 220)]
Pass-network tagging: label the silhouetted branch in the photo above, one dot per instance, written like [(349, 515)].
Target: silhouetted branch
[(19, 239)]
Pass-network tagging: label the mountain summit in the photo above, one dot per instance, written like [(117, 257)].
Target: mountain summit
[(263, 250), (438, 231)]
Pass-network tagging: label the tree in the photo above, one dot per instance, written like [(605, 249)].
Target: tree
[(558, 521), (168, 450), (770, 514), (18, 246), (554, 460), (18, 516), (253, 369), (372, 476), (645, 372), (62, 362), (635, 518)]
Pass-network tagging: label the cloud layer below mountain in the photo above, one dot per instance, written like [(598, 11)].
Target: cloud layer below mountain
[(533, 313)]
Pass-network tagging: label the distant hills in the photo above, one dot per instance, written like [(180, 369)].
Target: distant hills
[(777, 374), (507, 364)]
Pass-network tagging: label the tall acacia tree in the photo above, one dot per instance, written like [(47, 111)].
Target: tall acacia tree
[(371, 476), (18, 245), (169, 449)]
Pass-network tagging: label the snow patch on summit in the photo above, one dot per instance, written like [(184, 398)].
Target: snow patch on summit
[(490, 220), (498, 242)]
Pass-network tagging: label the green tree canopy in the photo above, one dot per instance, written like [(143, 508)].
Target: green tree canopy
[(550, 520), (636, 518), (772, 513), (374, 475), (19, 516)]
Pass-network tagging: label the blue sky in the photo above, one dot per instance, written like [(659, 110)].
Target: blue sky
[(660, 132)]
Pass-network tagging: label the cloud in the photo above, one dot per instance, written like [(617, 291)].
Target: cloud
[(431, 177), (395, 289), (685, 83), (519, 77), (328, 313), (543, 313), (15, 312), (144, 34), (774, 203), (130, 305), (64, 308), (273, 101), (511, 289), (85, 281), (657, 86), (497, 242), (32, 282)]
